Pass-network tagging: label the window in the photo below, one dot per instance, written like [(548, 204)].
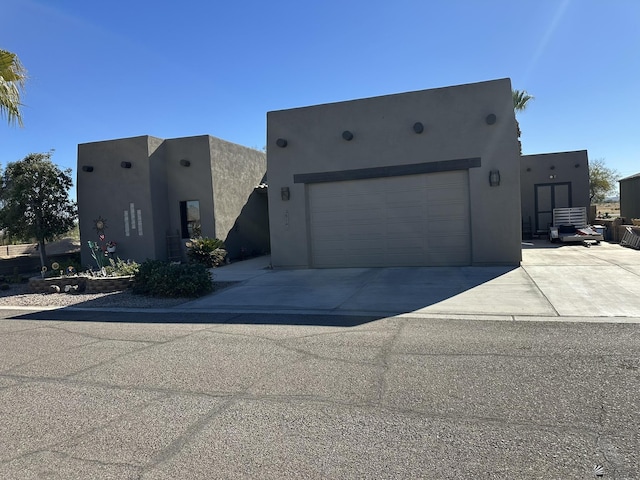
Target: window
[(190, 219)]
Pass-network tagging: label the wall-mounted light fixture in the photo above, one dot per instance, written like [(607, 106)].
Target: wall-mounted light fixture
[(347, 135), (185, 163), (494, 178), (491, 119), (577, 165), (125, 164), (552, 176), (87, 168), (281, 142), (418, 127), (285, 194), (528, 169), (552, 167)]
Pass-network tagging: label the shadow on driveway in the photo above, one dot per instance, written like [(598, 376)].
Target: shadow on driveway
[(327, 297)]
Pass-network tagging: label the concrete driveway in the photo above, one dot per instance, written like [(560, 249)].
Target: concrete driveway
[(568, 282)]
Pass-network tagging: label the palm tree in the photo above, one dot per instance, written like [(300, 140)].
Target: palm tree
[(12, 79), (520, 100)]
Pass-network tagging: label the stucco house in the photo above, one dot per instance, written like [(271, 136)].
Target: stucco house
[(630, 197), (150, 195), (552, 180), (427, 178)]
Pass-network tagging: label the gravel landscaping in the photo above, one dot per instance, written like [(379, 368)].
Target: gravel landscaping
[(18, 295)]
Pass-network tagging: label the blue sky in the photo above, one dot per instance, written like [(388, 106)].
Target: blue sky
[(104, 70)]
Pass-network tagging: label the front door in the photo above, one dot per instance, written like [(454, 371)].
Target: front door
[(548, 197)]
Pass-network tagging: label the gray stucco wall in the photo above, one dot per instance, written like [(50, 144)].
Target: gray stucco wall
[(237, 170), (630, 197), (249, 236), (455, 125), (159, 200), (110, 190), (550, 169), (191, 182), (155, 185)]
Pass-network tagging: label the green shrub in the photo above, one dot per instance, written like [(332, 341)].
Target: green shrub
[(210, 252), (120, 268), (161, 279)]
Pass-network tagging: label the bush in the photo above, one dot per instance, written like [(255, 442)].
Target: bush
[(120, 268), (161, 279), (210, 252)]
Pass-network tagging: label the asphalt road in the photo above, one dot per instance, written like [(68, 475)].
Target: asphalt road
[(276, 396)]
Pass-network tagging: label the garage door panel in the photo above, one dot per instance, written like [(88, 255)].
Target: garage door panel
[(443, 196), (407, 220), (440, 242), (447, 224), (408, 229), (447, 210)]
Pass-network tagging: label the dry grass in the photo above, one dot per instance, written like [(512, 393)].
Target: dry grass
[(608, 210)]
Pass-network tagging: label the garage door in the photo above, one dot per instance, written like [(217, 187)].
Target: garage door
[(412, 220)]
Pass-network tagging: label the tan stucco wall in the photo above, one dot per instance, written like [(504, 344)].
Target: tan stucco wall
[(553, 168), (455, 125)]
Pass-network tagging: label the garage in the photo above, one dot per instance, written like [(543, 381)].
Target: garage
[(424, 178), (405, 220)]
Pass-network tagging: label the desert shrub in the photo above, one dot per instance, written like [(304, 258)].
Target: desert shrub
[(210, 252), (120, 268), (162, 279)]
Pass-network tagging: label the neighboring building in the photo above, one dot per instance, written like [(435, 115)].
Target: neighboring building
[(552, 180), (630, 197), (421, 178), (151, 195)]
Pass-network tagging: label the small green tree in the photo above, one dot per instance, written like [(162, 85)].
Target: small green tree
[(34, 200), (12, 79), (602, 180)]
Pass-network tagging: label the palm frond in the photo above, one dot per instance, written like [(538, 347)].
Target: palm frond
[(520, 99), (13, 77)]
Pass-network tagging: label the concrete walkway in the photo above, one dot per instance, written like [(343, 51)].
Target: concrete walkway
[(601, 283)]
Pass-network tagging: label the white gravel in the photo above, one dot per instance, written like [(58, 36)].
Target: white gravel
[(19, 296)]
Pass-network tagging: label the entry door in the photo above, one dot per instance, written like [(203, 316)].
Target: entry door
[(548, 197)]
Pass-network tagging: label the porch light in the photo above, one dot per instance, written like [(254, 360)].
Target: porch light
[(87, 168), (491, 119), (125, 164), (347, 135), (418, 127), (281, 142), (185, 163), (494, 178)]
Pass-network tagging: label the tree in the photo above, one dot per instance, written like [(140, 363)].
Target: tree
[(520, 100), (34, 200), (12, 79), (602, 180)]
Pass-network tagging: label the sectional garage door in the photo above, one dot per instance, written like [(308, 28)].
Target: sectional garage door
[(407, 220)]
